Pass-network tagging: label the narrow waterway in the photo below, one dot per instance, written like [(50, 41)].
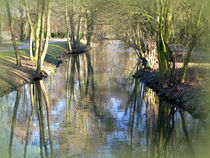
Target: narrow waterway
[(93, 108)]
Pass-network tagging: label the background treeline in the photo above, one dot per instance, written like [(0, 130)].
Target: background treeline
[(153, 28)]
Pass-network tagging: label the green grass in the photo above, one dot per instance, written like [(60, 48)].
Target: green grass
[(55, 50), (9, 44), (200, 56)]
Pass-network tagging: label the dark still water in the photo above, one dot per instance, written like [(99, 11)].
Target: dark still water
[(93, 108)]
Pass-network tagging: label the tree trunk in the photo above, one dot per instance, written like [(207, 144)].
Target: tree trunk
[(37, 32), (25, 30), (31, 30), (22, 30), (89, 36), (67, 29), (78, 31), (186, 61), (31, 43), (47, 32), (17, 54), (1, 39), (90, 22), (42, 17), (43, 48), (72, 25), (22, 21)]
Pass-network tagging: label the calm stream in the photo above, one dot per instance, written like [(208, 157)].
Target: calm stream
[(93, 108)]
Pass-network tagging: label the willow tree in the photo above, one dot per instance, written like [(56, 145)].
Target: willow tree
[(157, 24), (1, 20), (146, 28), (164, 28), (134, 29), (10, 20), (174, 29)]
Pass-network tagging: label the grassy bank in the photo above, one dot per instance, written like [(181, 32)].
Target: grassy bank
[(9, 44), (12, 76)]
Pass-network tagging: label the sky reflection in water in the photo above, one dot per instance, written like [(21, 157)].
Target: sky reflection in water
[(92, 107)]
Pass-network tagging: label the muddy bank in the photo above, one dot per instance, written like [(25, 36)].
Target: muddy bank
[(189, 96)]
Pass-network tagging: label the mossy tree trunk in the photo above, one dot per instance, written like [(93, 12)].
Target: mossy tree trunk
[(1, 39), (22, 31), (47, 31), (31, 43), (31, 26), (187, 60), (37, 31), (165, 55), (40, 40), (90, 27), (44, 28), (195, 30), (78, 31), (22, 23), (72, 26), (40, 32), (67, 28), (73, 16)]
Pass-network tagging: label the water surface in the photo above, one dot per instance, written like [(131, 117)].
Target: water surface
[(93, 108)]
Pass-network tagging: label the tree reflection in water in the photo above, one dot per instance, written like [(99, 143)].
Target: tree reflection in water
[(14, 120), (88, 113), (158, 124), (39, 108)]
